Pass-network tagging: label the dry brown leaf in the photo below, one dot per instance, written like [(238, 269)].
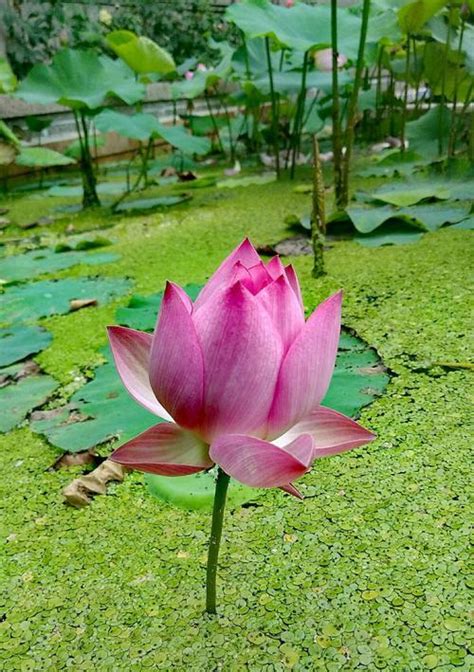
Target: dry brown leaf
[(80, 491)]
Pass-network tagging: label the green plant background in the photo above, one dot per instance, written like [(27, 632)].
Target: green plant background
[(369, 572)]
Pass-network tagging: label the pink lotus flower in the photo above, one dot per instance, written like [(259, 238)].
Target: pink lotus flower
[(289, 3), (238, 377), (189, 74)]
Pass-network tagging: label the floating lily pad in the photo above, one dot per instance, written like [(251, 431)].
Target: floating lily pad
[(388, 234), (19, 342), (466, 224), (52, 297), (234, 182), (17, 400), (430, 216), (404, 195), (99, 411), (36, 262), (104, 188), (151, 203)]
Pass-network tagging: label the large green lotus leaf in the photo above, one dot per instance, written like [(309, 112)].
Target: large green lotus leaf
[(151, 203), (140, 53), (388, 234), (405, 194), (51, 297), (384, 27), (301, 27), (20, 341), (413, 16), (179, 138), (139, 126), (80, 79), (445, 75), (423, 133), (289, 81), (430, 216), (8, 80), (22, 267), (18, 399), (41, 157)]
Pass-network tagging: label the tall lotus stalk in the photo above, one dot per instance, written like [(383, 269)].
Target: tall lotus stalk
[(405, 93), (336, 107), (237, 378), (274, 107), (454, 121), (90, 197), (343, 197), (299, 116), (318, 216)]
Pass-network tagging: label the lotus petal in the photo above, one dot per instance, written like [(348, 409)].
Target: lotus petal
[(242, 354), (294, 282), (280, 301), (176, 365), (332, 432), (224, 276), (165, 449), (131, 351), (275, 268), (261, 464), (307, 367)]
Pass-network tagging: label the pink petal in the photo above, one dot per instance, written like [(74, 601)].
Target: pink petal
[(306, 371), (332, 432), (275, 267), (131, 351), (176, 366), (261, 464), (280, 302), (242, 355), (294, 283), (224, 276), (291, 490), (164, 449), (260, 277)]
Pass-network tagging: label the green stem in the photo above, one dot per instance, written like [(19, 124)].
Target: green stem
[(405, 95), (336, 107), (90, 197), (222, 483), (352, 110), (442, 102), (214, 122), (318, 217), (453, 129), (298, 123), (274, 108)]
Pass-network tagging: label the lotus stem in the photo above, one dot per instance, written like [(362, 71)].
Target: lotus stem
[(298, 123), (442, 102), (274, 108), (352, 109), (336, 108), (214, 122), (89, 197), (222, 483), (453, 129), (318, 216), (405, 95)]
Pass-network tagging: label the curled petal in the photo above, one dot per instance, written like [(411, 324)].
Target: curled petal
[(294, 283), (307, 367), (332, 432), (280, 302), (261, 464), (131, 351), (242, 353), (245, 253), (260, 277), (291, 490), (176, 366), (165, 449)]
